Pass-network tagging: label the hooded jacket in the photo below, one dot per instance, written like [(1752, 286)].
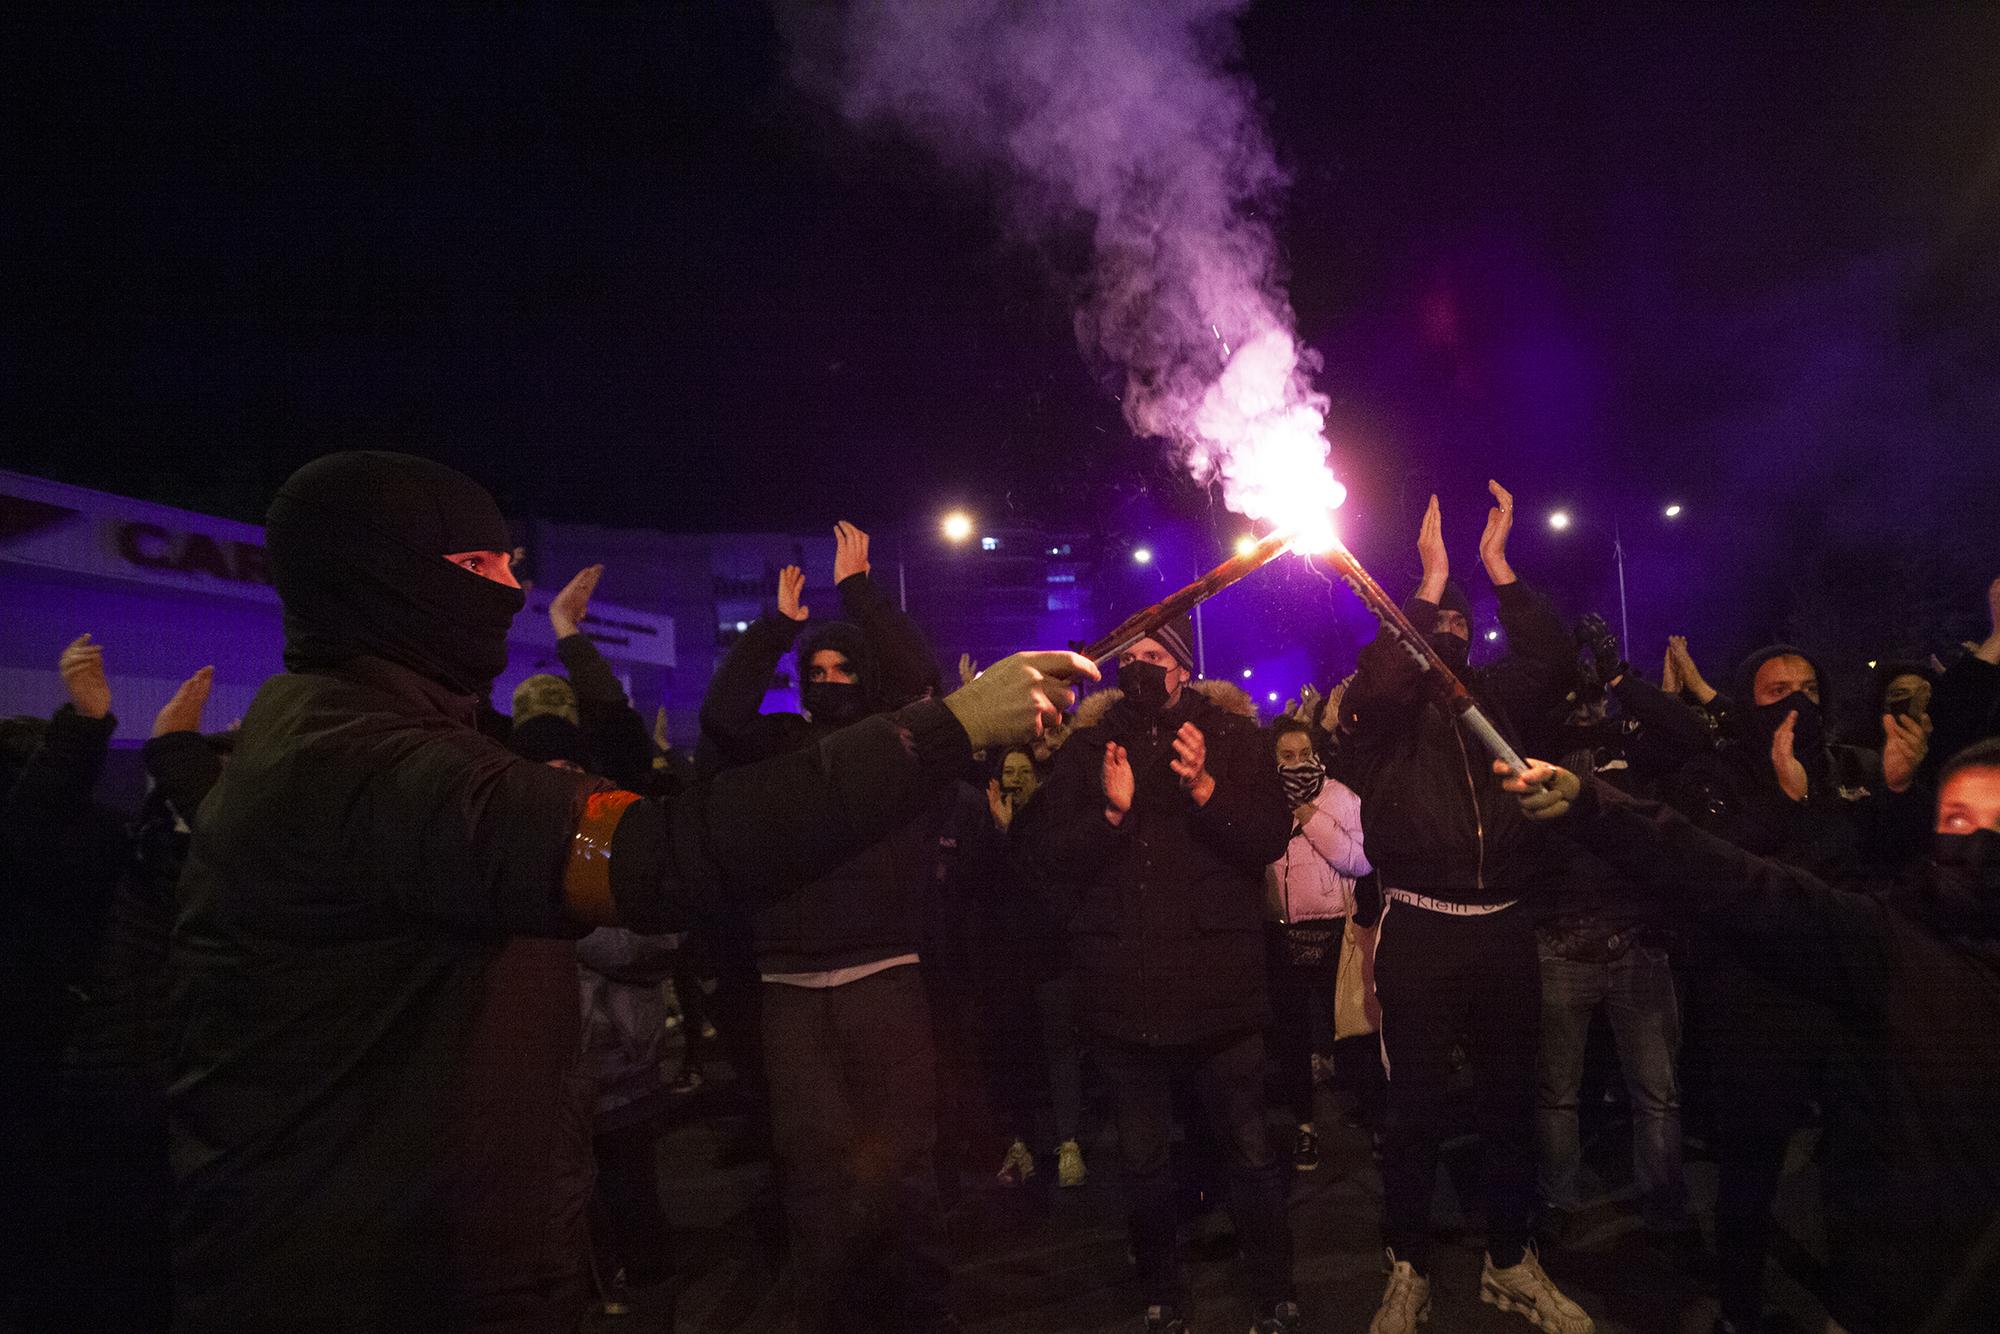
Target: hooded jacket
[(1437, 819), (1913, 1111), (377, 1109), (1166, 916), (871, 907)]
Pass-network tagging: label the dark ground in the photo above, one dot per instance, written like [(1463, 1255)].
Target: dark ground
[(1040, 1260)]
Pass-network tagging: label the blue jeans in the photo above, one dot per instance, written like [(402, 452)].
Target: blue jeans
[(1637, 992)]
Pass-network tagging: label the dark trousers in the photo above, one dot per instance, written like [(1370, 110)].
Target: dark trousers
[(1228, 1079), (1766, 1049), (628, 1226), (1301, 1013), (854, 1111), (1440, 977)]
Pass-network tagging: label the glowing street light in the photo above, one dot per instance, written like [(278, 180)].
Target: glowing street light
[(1142, 555), (1246, 673), (1673, 511), (1559, 520), (1492, 636), (957, 526), (1245, 545)]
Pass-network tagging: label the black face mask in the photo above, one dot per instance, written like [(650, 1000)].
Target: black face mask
[(837, 703), (357, 544), (1808, 734), (1144, 684), (1967, 868), (1455, 651)]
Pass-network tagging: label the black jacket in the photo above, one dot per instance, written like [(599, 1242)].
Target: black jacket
[(377, 1100), (1437, 819), (871, 907), (1912, 1169), (1167, 928)]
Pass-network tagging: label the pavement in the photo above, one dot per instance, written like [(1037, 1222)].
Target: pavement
[(1042, 1260)]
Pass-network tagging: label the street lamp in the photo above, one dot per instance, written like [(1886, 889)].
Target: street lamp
[(1245, 545), (957, 526), (1673, 511), (1142, 555), (1560, 520)]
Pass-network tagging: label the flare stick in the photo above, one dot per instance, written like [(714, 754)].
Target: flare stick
[(1456, 696), (1140, 624)]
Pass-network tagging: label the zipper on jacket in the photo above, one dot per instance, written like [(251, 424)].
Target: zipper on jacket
[(1478, 824)]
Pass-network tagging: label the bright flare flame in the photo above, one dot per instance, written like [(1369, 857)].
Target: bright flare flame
[(957, 526), (1260, 429), (1245, 545)]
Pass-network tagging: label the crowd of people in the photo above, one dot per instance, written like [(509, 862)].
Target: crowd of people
[(362, 1022)]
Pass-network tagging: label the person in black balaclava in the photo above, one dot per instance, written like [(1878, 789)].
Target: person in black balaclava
[(1455, 949), (1157, 825), (1910, 1171), (850, 1052), (1780, 788), (370, 1115)]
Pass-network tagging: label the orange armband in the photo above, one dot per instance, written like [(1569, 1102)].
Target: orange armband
[(587, 877)]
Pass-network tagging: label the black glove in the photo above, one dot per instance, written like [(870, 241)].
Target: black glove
[(1594, 634)]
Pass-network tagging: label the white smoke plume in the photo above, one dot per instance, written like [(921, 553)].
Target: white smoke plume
[(1124, 116)]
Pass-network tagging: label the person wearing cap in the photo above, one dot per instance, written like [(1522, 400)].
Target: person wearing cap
[(1455, 950), (370, 1114), (1158, 822)]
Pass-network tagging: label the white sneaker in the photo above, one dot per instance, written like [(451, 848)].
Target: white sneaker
[(1406, 1302), (1069, 1164), (1017, 1166), (1527, 1290)]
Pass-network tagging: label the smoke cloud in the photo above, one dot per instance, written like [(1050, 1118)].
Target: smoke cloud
[(1123, 117)]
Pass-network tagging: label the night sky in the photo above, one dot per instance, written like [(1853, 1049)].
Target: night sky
[(618, 266)]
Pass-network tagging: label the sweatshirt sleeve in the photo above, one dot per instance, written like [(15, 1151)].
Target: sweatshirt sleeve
[(1334, 830), (185, 767), (736, 691), (903, 653), (56, 784), (761, 831), (615, 732), (1672, 733), (1796, 929)]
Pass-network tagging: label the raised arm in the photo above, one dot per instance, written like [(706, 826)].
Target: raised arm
[(58, 779), (736, 691), (903, 655), (1334, 829), (1798, 930)]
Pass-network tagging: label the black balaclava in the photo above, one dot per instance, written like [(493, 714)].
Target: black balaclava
[(1762, 721), (357, 544), (837, 703), (1454, 649)]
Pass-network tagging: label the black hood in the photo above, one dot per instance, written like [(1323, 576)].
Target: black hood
[(848, 640), (1746, 676), (356, 542)]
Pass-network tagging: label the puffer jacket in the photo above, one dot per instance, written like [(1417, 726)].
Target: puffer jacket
[(1165, 909), (1314, 880)]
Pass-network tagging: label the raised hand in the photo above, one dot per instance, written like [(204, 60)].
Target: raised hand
[(1670, 676), (850, 551), (660, 727), (791, 586), (1546, 792), (182, 713), (1905, 742), (1190, 764), (1430, 549), (82, 668), (568, 608), (999, 805), (1019, 697), (1119, 784), (1493, 542), (1311, 702), (968, 670), (1686, 674), (1784, 762)]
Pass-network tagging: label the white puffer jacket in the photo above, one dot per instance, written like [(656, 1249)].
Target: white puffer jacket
[(1314, 880)]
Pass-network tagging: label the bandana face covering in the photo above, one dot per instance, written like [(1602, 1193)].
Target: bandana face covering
[(1302, 781)]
